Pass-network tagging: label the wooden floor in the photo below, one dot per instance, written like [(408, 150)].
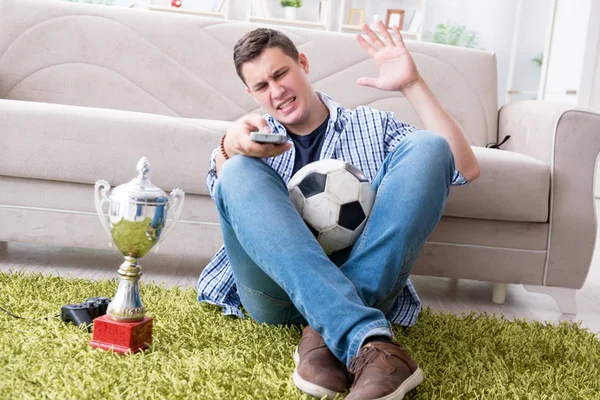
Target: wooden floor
[(456, 296)]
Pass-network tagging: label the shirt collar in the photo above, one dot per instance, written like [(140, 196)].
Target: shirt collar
[(335, 112)]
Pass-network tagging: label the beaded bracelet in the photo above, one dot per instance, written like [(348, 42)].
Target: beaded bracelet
[(223, 148)]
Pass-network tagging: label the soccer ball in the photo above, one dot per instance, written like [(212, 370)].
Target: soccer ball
[(334, 198)]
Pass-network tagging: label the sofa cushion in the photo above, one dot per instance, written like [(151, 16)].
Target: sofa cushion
[(83, 144), (80, 144), (511, 187)]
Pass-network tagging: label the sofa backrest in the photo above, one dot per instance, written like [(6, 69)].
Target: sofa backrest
[(181, 65)]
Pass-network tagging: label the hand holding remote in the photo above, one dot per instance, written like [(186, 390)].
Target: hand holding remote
[(238, 139)]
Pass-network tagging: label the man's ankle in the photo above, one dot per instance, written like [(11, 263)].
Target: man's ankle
[(378, 338)]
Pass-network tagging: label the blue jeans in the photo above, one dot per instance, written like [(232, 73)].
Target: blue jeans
[(282, 274)]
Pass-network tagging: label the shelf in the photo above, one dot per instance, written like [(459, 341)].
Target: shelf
[(288, 22), (326, 24), (358, 28), (191, 12), (370, 8), (518, 91)]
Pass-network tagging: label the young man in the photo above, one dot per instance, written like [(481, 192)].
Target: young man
[(272, 264)]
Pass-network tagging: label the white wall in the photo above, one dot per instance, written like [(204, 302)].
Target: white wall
[(531, 40), (590, 79), (567, 50), (595, 84), (492, 20)]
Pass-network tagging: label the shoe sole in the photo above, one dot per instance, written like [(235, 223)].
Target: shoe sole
[(409, 384), (309, 387)]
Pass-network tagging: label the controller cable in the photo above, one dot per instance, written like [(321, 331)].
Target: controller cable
[(16, 316)]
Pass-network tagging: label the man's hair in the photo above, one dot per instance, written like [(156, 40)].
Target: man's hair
[(253, 43)]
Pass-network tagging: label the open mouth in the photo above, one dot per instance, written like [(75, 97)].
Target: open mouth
[(287, 105)]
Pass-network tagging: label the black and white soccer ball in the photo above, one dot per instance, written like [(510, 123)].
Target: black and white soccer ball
[(335, 199)]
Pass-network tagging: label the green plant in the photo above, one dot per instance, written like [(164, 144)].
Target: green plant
[(538, 59), (291, 3), (454, 35)]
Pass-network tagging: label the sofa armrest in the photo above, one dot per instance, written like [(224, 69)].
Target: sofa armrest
[(568, 140)]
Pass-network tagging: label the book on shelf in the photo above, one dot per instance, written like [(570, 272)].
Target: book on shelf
[(260, 9), (415, 21), (324, 11), (218, 5)]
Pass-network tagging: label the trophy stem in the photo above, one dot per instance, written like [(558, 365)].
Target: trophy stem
[(127, 303)]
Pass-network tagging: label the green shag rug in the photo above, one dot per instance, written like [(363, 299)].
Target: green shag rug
[(198, 353)]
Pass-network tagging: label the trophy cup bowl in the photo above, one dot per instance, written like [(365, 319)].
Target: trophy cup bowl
[(136, 223)]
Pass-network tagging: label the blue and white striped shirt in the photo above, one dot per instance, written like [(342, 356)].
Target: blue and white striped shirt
[(362, 137)]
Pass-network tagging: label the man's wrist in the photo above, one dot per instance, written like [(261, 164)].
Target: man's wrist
[(226, 147), (223, 150), (415, 86)]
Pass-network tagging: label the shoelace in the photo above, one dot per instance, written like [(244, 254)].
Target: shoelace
[(358, 363)]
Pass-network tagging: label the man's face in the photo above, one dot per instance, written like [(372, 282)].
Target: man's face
[(280, 85)]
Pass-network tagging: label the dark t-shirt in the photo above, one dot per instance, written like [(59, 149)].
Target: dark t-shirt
[(308, 147)]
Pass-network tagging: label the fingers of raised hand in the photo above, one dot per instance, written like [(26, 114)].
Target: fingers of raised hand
[(386, 34), (377, 43), (398, 36), (366, 45)]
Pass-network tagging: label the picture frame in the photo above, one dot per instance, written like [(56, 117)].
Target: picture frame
[(394, 17), (415, 22), (357, 17)]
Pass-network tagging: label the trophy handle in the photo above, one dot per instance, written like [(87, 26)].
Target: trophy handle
[(100, 189), (178, 198)]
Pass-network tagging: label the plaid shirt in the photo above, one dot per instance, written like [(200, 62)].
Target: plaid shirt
[(362, 137)]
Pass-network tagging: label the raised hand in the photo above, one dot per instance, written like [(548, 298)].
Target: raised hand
[(397, 70)]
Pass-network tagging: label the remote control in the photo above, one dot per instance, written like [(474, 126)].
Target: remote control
[(269, 138)]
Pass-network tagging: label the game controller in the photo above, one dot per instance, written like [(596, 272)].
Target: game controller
[(85, 312)]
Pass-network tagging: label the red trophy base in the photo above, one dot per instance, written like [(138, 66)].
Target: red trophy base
[(120, 336)]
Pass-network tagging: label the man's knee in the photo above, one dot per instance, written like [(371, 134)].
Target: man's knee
[(428, 148), (236, 168), (238, 173), (430, 142)]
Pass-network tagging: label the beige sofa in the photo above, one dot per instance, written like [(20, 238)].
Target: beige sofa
[(86, 90)]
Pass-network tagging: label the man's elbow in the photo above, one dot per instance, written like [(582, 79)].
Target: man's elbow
[(472, 173)]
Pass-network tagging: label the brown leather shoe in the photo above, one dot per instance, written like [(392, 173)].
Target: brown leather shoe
[(383, 371), (318, 372)]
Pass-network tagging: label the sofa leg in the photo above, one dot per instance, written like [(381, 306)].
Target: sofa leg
[(499, 293), (566, 298), (3, 246)]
